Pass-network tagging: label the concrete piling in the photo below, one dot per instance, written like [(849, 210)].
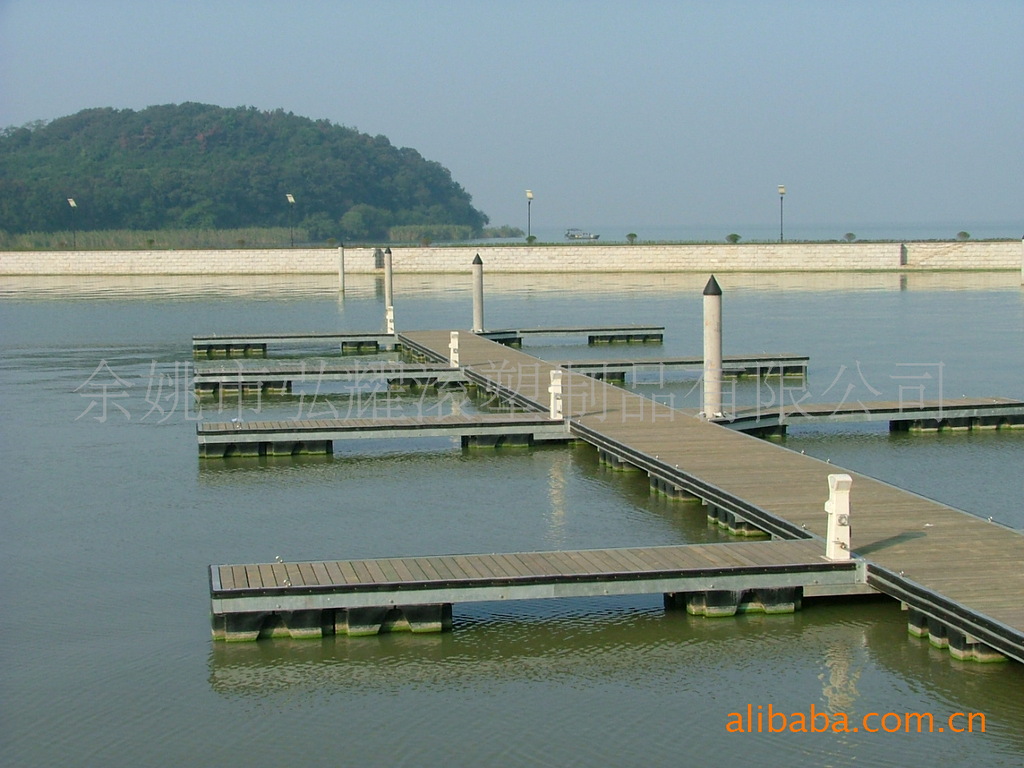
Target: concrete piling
[(389, 286), (712, 349), (478, 294)]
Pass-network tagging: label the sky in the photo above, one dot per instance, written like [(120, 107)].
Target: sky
[(631, 115)]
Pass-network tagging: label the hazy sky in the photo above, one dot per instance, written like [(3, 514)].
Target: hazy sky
[(633, 114)]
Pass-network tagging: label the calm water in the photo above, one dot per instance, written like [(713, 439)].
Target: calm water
[(110, 521)]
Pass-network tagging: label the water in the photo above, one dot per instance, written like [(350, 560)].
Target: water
[(110, 521)]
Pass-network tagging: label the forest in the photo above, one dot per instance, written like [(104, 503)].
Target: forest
[(201, 167)]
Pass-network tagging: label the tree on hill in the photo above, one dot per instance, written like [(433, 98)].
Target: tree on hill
[(201, 166)]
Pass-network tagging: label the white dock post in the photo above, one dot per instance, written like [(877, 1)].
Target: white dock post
[(837, 534), (389, 317), (389, 293), (453, 348), (478, 294), (555, 390), (341, 268), (712, 349)]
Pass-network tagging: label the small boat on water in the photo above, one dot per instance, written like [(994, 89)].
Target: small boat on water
[(579, 234)]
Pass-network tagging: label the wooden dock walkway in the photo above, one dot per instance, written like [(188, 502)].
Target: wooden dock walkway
[(280, 376), (295, 437), (733, 365), (959, 576), (362, 597), (960, 414), (257, 345)]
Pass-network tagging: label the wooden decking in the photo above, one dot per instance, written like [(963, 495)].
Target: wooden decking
[(283, 375), (961, 413), (519, 568), (258, 344), (785, 364), (311, 598), (291, 437), (961, 572)]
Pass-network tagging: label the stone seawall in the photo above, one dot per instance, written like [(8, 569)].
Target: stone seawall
[(570, 258)]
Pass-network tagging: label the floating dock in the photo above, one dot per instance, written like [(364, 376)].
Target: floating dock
[(932, 415), (599, 334), (316, 436), (281, 376), (733, 365), (257, 345), (957, 575), (364, 597)]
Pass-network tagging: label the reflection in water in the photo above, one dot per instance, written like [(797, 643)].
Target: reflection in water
[(443, 285), (620, 644)]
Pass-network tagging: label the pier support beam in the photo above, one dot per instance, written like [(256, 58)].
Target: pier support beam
[(670, 490), (314, 624), (721, 603), (361, 622), (960, 645), (614, 462), (736, 525), (712, 349)]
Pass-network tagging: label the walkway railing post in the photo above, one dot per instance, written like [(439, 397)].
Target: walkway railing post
[(837, 541), (555, 390), (453, 350)]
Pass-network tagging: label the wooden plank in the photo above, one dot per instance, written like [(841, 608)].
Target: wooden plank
[(253, 577), (308, 574), (454, 565), (362, 571), (377, 573), (403, 568), (334, 574)]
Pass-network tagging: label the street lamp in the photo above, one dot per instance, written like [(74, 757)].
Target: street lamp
[(74, 238), (782, 196), (291, 207), (529, 201)]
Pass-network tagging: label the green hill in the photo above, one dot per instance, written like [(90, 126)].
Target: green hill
[(192, 166)]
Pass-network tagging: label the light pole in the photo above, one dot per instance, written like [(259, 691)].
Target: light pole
[(291, 207), (74, 238), (529, 202), (782, 197)]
